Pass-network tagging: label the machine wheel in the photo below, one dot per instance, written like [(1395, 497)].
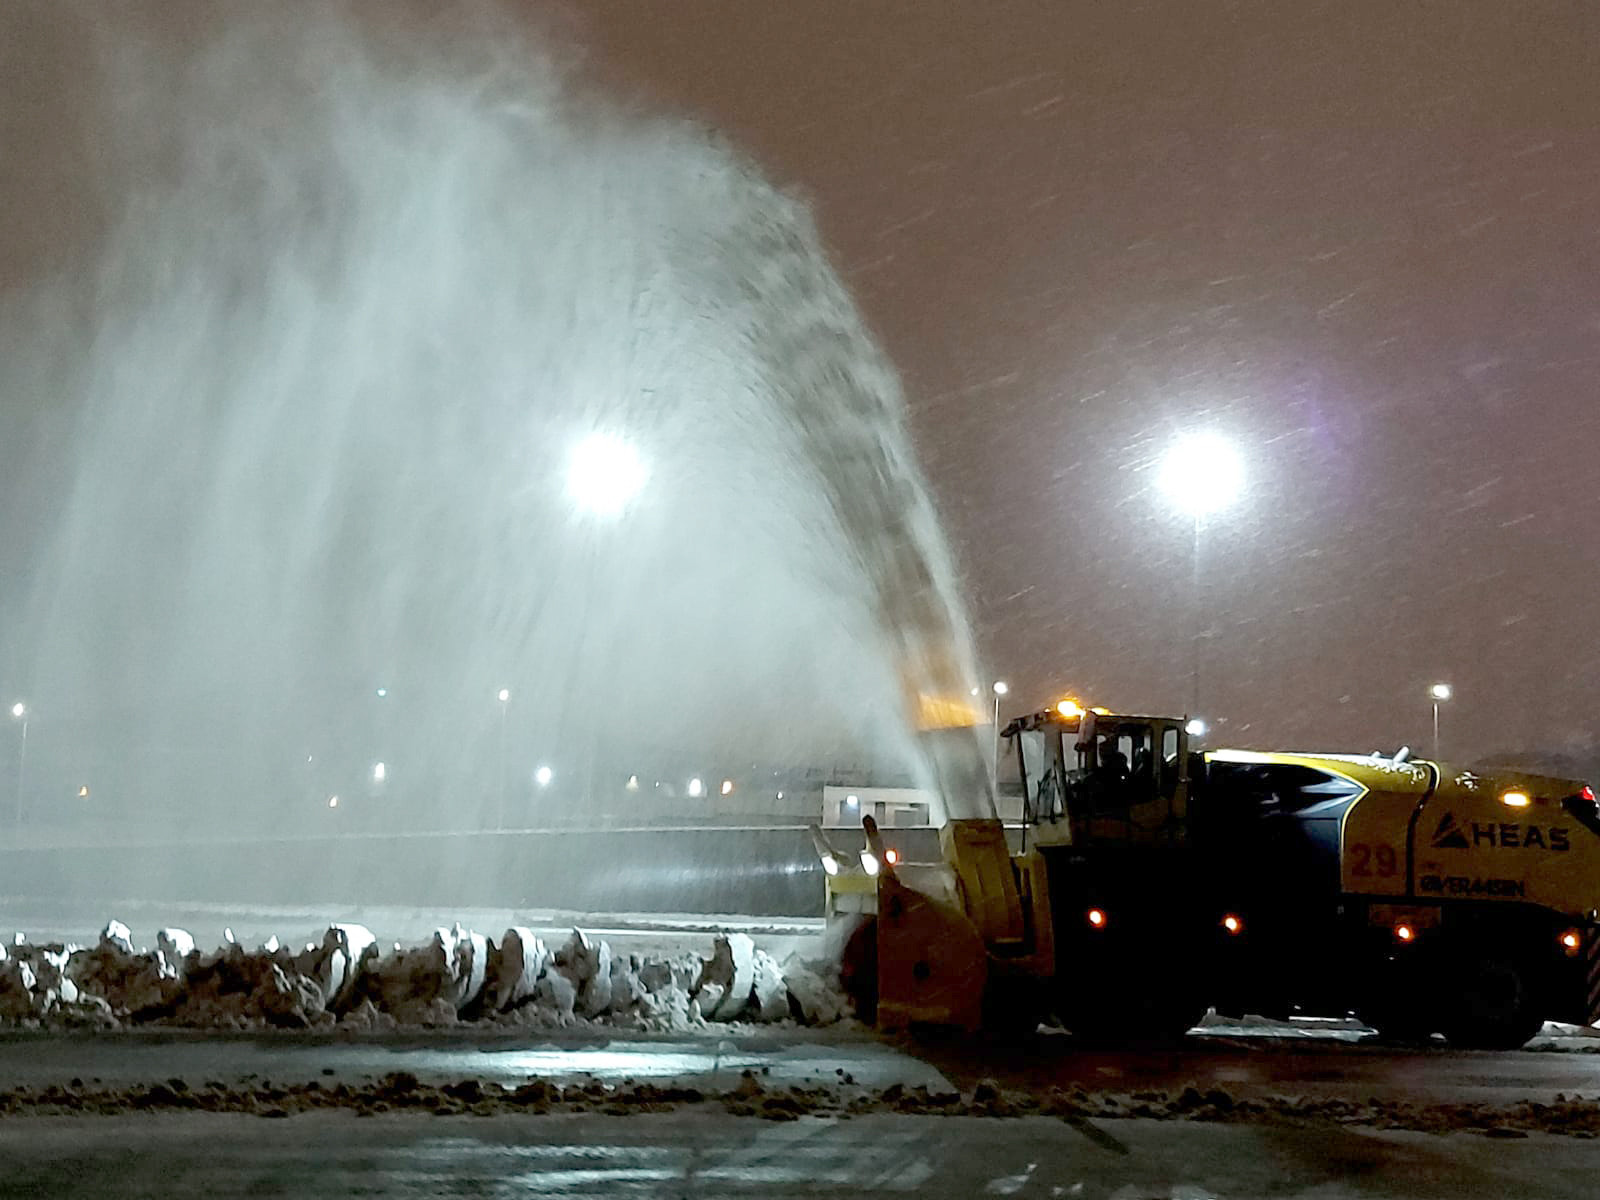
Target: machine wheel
[(1153, 1016), (858, 969), (1496, 1006), (1398, 1006), (1399, 1023), (1013, 1010)]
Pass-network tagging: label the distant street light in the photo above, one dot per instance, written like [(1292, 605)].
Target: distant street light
[(697, 787), (543, 776), (19, 712), (504, 696), (1201, 474), (1195, 728), (380, 772), (604, 473), (1001, 687), (1439, 693)]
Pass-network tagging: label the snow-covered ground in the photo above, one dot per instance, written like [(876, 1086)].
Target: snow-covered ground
[(1554, 1036)]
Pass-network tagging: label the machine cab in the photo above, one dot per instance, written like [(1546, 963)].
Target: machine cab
[(1090, 777)]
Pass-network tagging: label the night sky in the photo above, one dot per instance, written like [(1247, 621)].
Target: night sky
[(1358, 238)]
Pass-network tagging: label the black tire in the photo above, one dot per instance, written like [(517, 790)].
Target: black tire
[(858, 969), (1013, 1009), (1161, 1018), (1494, 1006), (1398, 1026), (1400, 1011)]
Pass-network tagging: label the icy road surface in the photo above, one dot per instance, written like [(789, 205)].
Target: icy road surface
[(711, 1061), (714, 1060), (708, 1155)]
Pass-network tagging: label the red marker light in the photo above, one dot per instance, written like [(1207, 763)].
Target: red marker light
[(1232, 924), (1587, 793), (1097, 918), (1571, 941), (1404, 932), (891, 856)]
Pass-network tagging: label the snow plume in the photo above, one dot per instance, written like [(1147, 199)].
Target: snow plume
[(292, 393)]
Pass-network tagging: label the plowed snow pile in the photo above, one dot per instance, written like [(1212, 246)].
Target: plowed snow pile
[(457, 976)]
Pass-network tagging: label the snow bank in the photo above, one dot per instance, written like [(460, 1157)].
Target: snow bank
[(458, 976)]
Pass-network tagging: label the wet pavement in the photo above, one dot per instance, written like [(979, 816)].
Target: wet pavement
[(711, 1061), (707, 1155), (356, 1128), (714, 1060), (1311, 1068)]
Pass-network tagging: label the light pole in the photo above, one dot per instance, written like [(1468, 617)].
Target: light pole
[(1201, 474), (19, 712), (1439, 693), (1001, 687), (504, 696)]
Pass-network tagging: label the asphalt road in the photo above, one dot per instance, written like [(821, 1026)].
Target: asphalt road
[(1246, 1068), (1307, 1068), (711, 1062), (705, 1150), (706, 1155)]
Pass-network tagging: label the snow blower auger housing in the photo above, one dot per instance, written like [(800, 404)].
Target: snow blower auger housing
[(1145, 884), (940, 943)]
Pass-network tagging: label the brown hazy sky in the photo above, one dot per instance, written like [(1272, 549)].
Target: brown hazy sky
[(1360, 238)]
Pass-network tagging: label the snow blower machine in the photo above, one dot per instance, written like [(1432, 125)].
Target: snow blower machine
[(1145, 884)]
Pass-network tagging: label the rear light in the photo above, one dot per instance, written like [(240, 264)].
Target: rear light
[(1097, 918), (1404, 933), (1233, 924), (1587, 793), (1571, 942), (891, 856), (869, 862)]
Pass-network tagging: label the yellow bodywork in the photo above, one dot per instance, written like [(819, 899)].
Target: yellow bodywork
[(1471, 845), (1411, 835), (944, 928), (1467, 844)]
